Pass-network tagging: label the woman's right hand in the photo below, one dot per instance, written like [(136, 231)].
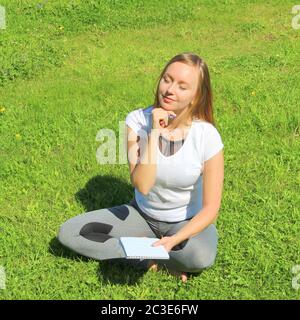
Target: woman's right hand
[(160, 118)]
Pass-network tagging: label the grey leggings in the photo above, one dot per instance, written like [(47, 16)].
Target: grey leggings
[(96, 234)]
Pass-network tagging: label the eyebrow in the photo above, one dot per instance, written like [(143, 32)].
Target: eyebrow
[(179, 81)]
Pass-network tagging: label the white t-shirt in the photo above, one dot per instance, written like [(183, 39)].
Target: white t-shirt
[(177, 192)]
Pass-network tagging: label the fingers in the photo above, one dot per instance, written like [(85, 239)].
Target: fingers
[(162, 123), (155, 244), (161, 117), (172, 113), (159, 243), (171, 116)]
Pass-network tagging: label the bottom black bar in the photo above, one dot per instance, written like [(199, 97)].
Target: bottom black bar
[(120, 309)]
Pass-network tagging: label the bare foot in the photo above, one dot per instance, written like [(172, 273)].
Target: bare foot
[(182, 275), (152, 265)]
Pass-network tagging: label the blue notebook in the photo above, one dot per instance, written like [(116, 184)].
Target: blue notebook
[(140, 248)]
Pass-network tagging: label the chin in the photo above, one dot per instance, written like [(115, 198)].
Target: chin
[(166, 106)]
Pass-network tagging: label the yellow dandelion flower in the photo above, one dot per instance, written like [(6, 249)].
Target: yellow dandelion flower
[(61, 28), (18, 136), (2, 110), (253, 93)]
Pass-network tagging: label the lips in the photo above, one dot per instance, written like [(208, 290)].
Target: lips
[(167, 99)]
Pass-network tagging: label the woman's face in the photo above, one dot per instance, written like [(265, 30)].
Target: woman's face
[(178, 87)]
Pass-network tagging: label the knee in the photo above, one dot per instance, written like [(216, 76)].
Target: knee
[(64, 233), (61, 234), (202, 261)]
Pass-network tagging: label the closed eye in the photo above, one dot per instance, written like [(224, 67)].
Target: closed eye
[(167, 81)]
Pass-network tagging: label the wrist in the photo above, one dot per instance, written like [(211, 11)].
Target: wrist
[(154, 134), (176, 239)]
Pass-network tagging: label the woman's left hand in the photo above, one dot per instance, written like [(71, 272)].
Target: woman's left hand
[(167, 242)]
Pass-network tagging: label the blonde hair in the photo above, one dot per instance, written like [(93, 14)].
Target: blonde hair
[(202, 106)]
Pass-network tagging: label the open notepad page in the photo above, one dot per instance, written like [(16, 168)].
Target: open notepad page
[(141, 248)]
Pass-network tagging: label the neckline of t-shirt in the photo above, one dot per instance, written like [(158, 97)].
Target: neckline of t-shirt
[(172, 141), (178, 151)]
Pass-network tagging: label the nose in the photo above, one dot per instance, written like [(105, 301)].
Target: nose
[(170, 89)]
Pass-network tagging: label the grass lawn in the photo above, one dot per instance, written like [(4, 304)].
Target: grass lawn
[(71, 68)]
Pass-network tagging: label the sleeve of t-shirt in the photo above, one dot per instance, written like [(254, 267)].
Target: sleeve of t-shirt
[(213, 142), (133, 120)]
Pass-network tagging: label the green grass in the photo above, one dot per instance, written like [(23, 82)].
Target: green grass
[(70, 68)]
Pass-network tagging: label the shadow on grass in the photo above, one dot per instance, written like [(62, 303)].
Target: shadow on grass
[(58, 250), (104, 192), (120, 271), (116, 271)]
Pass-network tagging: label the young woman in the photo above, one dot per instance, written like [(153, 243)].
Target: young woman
[(176, 164)]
